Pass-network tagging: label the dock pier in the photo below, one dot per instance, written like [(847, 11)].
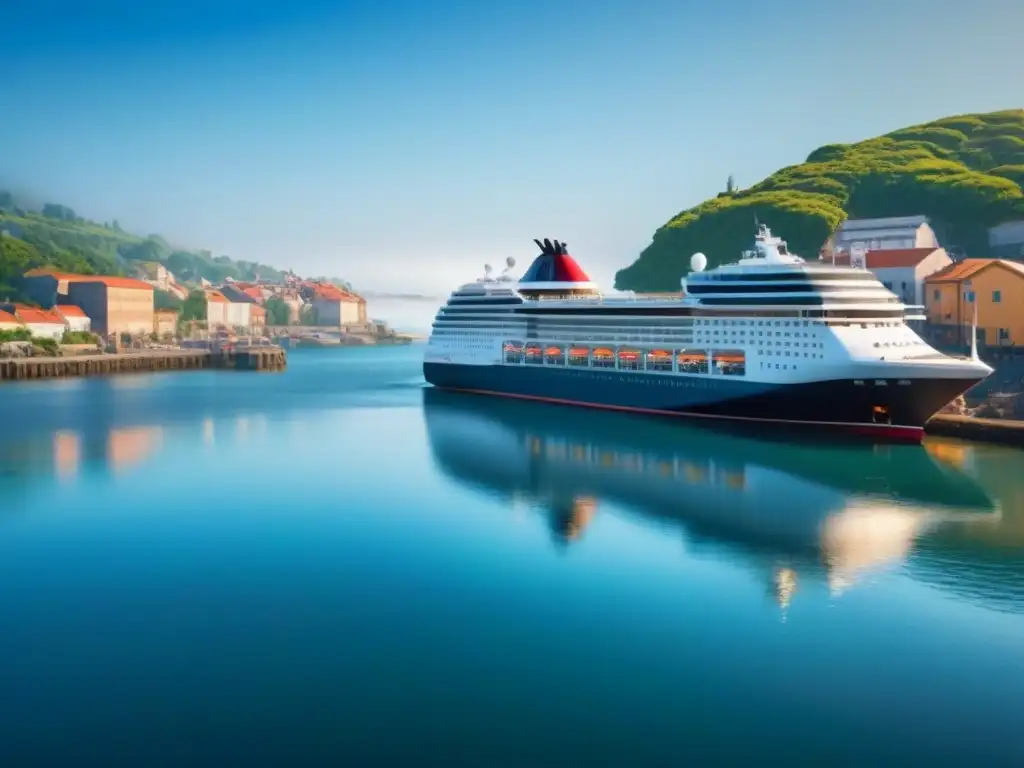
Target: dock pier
[(257, 358)]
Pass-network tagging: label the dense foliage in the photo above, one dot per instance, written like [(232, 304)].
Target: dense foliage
[(57, 237), (964, 172), (278, 312)]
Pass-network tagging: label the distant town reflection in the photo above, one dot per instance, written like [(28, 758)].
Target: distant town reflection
[(831, 511)]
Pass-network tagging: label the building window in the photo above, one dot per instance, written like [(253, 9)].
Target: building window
[(1004, 334), (936, 294), (969, 296), (997, 296)]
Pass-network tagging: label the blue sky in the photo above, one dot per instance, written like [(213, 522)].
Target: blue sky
[(403, 144)]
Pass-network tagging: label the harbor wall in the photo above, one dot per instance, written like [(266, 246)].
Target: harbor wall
[(257, 359), (1002, 431)]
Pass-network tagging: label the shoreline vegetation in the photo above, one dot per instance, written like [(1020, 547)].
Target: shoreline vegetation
[(964, 172), (54, 236)]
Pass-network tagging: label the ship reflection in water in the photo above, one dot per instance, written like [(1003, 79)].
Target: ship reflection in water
[(832, 511)]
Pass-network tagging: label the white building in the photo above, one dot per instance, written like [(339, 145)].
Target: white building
[(902, 271), (238, 314), (216, 309), (897, 233), (74, 317), (1007, 240), (43, 323)]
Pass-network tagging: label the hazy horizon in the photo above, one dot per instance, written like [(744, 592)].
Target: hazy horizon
[(401, 146)]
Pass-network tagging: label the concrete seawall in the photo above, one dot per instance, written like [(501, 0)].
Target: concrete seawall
[(1002, 431), (256, 359)]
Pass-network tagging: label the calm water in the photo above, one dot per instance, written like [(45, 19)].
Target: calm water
[(337, 566)]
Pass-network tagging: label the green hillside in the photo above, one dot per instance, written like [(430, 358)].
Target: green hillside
[(56, 237), (964, 172)]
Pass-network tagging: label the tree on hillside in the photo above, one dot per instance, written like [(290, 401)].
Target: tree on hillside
[(730, 184), (6, 200), (16, 258), (149, 249), (59, 212)]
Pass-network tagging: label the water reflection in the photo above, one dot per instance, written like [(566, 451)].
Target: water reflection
[(830, 512), (63, 454)]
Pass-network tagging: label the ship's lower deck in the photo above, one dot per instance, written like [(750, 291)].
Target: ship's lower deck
[(895, 410)]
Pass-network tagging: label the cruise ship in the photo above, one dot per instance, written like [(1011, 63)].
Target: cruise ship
[(770, 339)]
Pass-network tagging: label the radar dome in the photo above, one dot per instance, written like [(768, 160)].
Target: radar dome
[(698, 262)]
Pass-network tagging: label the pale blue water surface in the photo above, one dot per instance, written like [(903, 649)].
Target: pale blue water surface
[(335, 565)]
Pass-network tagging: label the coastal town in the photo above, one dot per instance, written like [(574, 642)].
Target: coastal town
[(119, 313)]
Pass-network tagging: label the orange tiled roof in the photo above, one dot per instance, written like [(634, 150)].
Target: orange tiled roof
[(7, 317), (70, 310), (253, 293), (31, 315), (956, 273), (327, 292), (110, 281), (216, 296)]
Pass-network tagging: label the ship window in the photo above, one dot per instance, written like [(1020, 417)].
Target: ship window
[(579, 356), (631, 359), (554, 355), (513, 352), (602, 357), (729, 362), (692, 360), (659, 360), (534, 355)]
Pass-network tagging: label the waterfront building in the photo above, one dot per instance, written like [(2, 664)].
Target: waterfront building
[(41, 322), (112, 304), (333, 306), (901, 270), (239, 314), (992, 288), (74, 317), (892, 233), (216, 309)]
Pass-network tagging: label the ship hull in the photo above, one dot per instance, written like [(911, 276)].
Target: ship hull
[(841, 405)]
